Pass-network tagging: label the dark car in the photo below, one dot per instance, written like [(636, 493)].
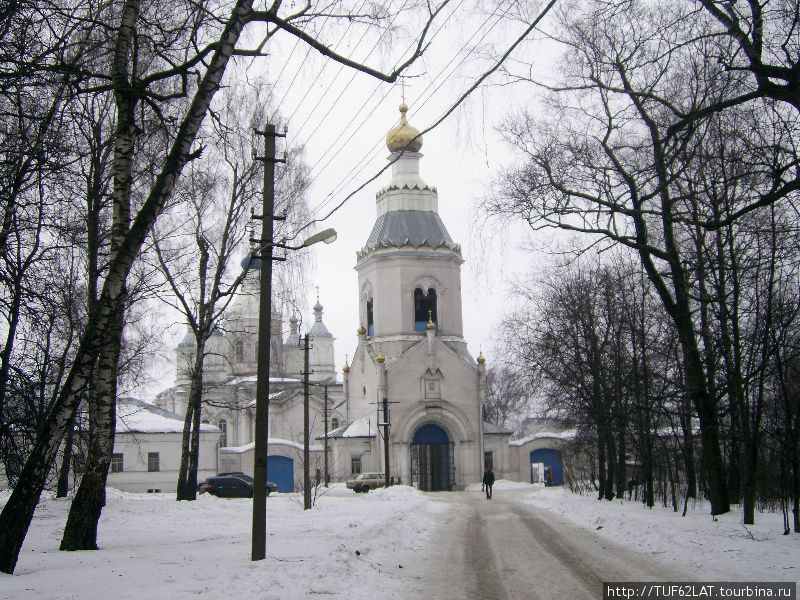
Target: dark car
[(232, 485)]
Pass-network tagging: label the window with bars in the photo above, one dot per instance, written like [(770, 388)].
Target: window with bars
[(153, 462), (117, 463), (355, 465), (223, 427)]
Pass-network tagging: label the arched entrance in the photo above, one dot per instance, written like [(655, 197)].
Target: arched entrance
[(546, 466), (280, 471), (432, 463)]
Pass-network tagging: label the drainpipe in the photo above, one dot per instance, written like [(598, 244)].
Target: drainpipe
[(381, 366), (481, 401), (346, 385)]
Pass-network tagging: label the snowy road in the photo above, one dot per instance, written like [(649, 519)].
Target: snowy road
[(504, 550)]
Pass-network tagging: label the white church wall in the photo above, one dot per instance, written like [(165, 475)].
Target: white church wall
[(452, 409), (342, 451), (135, 447), (393, 283), (498, 445)]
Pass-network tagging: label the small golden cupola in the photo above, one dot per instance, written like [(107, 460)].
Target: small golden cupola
[(399, 137)]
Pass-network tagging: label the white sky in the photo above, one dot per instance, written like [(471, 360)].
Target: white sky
[(323, 100), (460, 158)]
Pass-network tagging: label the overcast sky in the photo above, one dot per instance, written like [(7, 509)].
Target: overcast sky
[(460, 158), (341, 118)]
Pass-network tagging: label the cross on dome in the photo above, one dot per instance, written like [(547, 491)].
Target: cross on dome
[(404, 136)]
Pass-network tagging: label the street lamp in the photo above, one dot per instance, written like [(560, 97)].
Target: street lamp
[(259, 530)]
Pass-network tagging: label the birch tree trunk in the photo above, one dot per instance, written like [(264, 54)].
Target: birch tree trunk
[(16, 516), (80, 532)]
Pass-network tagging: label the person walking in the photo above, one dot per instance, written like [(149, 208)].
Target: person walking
[(488, 482)]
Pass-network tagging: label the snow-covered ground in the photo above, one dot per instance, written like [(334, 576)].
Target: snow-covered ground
[(714, 550), (155, 547), (350, 545)]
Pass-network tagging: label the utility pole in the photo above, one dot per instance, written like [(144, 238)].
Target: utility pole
[(386, 438), (325, 413), (386, 424), (306, 433), (259, 531)]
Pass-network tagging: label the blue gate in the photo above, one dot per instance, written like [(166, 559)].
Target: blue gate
[(280, 471), (554, 468), (432, 460)]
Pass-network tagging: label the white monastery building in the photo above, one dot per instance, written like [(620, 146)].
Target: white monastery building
[(411, 353)]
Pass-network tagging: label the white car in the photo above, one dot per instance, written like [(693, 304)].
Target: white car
[(366, 482)]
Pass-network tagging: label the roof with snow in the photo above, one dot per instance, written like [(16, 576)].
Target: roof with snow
[(137, 416), (568, 434), (360, 428), (254, 378), (270, 442), (492, 429)]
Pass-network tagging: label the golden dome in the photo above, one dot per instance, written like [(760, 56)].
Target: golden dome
[(400, 136), (481, 359), (361, 330), (380, 358), (346, 368)]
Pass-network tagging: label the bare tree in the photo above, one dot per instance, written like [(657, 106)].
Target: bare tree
[(208, 220), (507, 397), (165, 66), (624, 128)]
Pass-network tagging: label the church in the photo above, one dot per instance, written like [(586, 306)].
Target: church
[(411, 350), (412, 380)]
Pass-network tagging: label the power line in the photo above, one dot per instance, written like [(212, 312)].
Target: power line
[(363, 162), (336, 75), (441, 119), (280, 73), (324, 155), (358, 111)]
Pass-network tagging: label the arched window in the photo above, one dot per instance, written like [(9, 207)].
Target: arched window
[(370, 319), (424, 307), (238, 351), (334, 423), (223, 427)]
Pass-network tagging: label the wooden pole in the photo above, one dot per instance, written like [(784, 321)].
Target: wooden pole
[(327, 477), (306, 435)]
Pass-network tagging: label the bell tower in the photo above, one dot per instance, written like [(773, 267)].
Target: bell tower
[(409, 270)]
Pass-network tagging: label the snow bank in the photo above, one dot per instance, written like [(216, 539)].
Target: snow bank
[(355, 546), (721, 549), (502, 484)]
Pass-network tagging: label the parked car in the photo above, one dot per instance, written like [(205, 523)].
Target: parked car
[(366, 482), (232, 485), (271, 487)]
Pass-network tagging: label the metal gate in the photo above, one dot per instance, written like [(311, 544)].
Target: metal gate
[(553, 471), (280, 471), (432, 459)]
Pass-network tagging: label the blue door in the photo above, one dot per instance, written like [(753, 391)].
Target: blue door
[(280, 471), (554, 469)]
